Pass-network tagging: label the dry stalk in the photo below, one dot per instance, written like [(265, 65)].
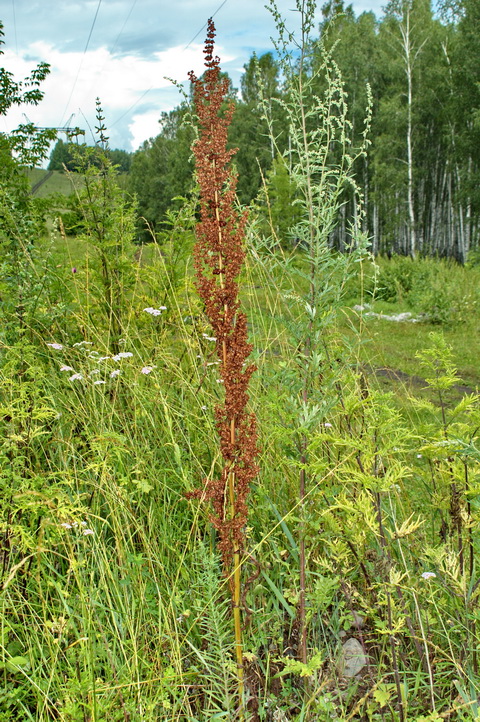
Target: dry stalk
[(218, 256)]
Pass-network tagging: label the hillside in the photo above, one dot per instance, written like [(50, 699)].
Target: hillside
[(56, 182)]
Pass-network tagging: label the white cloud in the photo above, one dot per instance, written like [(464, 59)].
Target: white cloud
[(143, 126), (77, 79), (131, 49)]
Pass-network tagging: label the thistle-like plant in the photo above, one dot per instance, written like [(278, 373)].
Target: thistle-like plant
[(219, 255)]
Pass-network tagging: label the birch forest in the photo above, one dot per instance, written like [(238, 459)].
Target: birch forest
[(412, 85)]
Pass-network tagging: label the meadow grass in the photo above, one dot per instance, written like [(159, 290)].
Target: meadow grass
[(115, 604), (58, 182), (132, 622)]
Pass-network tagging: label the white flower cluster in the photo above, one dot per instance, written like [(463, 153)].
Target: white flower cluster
[(145, 370), (155, 311), (85, 530)]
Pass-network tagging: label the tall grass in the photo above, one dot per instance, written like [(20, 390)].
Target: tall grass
[(114, 604)]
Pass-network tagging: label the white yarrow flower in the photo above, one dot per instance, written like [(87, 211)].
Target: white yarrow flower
[(57, 346), (122, 354), (66, 525), (98, 383), (66, 368), (76, 377), (147, 370), (155, 311), (86, 532), (115, 373), (428, 575)]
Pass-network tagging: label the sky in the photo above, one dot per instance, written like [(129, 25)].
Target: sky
[(127, 52)]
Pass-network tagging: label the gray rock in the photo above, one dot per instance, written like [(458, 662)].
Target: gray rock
[(358, 620), (352, 658)]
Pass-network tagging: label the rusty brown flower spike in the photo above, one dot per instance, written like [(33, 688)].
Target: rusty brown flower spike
[(219, 255)]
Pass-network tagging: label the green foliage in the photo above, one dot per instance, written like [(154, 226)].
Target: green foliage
[(279, 209), (70, 156), (113, 605), (431, 289), (161, 170)]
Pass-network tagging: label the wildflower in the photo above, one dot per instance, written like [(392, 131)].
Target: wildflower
[(83, 343), (428, 575), (94, 371), (66, 525), (209, 338), (155, 311), (147, 370), (122, 354), (86, 532), (65, 368), (76, 377), (74, 270), (115, 373), (327, 425), (57, 346), (103, 358), (419, 456), (97, 383), (204, 408), (83, 523)]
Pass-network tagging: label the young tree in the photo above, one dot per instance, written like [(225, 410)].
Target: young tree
[(20, 221)]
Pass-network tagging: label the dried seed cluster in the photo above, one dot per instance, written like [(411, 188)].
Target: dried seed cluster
[(218, 256)]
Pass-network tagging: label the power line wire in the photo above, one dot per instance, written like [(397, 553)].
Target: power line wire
[(99, 72), (130, 108), (204, 26), (81, 61), (151, 87), (15, 26)]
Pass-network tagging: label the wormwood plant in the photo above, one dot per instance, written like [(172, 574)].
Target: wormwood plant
[(219, 256), (109, 226), (320, 159)]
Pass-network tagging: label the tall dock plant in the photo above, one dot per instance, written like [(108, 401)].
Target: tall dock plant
[(320, 159), (218, 257)]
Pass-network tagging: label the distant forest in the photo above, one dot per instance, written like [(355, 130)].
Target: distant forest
[(419, 73)]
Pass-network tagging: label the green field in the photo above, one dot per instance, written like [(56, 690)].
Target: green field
[(58, 182)]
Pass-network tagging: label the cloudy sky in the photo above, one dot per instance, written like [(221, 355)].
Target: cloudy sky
[(123, 51)]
